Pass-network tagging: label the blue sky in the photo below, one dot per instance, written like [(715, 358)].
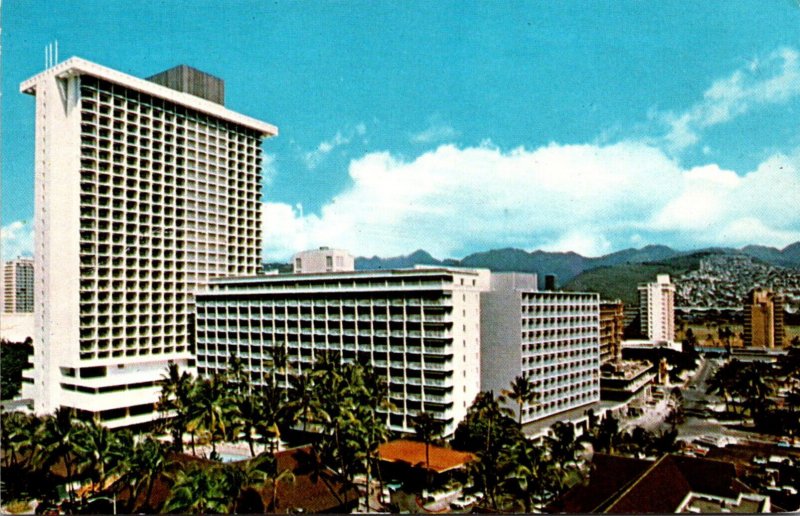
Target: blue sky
[(464, 126)]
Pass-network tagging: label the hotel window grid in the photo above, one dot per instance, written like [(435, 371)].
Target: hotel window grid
[(560, 351), (169, 198), (402, 326)]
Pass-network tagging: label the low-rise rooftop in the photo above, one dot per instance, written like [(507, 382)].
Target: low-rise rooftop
[(412, 453)]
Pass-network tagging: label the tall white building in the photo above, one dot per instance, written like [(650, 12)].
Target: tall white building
[(143, 193), (18, 286), (657, 309), (323, 259), (419, 328), (550, 338)]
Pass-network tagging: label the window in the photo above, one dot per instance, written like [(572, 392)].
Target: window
[(298, 264)]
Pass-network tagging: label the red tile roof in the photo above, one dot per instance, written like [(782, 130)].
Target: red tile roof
[(314, 489), (412, 453)]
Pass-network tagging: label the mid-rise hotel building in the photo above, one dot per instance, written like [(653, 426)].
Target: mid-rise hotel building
[(18, 286), (763, 319), (419, 328), (657, 310), (145, 189), (550, 338)]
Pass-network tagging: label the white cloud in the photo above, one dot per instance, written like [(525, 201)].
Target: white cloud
[(436, 132), (268, 168), (16, 239), (586, 198), (774, 80), (313, 158)]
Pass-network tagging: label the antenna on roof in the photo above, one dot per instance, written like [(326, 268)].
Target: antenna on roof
[(50, 55)]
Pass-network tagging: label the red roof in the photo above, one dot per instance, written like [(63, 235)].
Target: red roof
[(412, 453), (635, 486), (313, 491)]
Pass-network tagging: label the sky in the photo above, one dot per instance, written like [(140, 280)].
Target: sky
[(459, 127)]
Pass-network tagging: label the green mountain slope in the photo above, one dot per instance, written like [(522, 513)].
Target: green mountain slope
[(621, 281)]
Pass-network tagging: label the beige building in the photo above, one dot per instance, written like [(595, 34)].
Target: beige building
[(143, 193), (323, 259), (18, 286), (657, 310), (612, 327), (763, 319)]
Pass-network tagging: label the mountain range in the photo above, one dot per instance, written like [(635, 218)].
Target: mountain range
[(567, 266)]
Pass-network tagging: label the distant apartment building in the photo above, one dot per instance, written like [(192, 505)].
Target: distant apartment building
[(419, 328), (144, 190), (323, 259), (612, 328), (657, 310), (763, 319), (550, 338), (18, 286)]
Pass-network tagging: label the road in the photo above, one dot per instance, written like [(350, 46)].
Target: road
[(700, 419)]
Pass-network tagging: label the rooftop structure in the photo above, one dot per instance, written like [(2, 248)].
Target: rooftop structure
[(323, 259), (143, 193), (193, 81), (419, 328), (550, 338), (623, 380)]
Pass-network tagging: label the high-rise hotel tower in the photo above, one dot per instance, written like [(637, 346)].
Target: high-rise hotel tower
[(145, 189)]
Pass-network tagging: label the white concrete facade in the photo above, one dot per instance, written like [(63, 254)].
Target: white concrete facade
[(143, 193), (550, 338), (419, 328), (657, 310), (323, 260)]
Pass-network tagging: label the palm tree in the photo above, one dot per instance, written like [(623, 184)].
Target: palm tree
[(278, 362), (378, 406), (752, 386), (525, 467), (176, 387), (198, 489), (522, 392), (55, 440), (427, 429), (488, 417), (562, 443), (489, 409), (146, 462), (723, 382), (303, 403), (251, 474), (98, 452), (18, 438), (209, 410), (246, 419)]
